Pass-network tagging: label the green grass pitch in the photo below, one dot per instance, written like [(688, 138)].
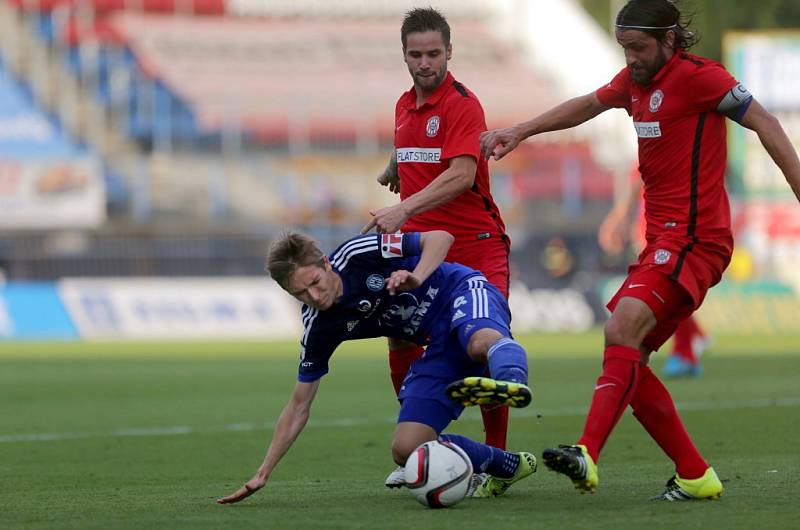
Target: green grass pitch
[(149, 435)]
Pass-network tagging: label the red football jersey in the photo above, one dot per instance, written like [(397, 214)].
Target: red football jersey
[(682, 145), (447, 125)]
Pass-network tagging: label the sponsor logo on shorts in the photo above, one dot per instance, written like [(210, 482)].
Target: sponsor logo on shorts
[(662, 256), (656, 99), (647, 129), (375, 282), (424, 155), (432, 128)]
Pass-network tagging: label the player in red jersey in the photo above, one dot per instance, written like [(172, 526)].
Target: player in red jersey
[(442, 179), (625, 223), (678, 103)]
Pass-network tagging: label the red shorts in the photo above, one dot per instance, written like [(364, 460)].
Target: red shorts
[(672, 277), (490, 256)]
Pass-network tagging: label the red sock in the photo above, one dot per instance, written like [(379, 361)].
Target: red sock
[(682, 345), (613, 392), (495, 423), (400, 361), (653, 407)]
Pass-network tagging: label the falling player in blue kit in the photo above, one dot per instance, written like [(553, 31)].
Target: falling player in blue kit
[(396, 285)]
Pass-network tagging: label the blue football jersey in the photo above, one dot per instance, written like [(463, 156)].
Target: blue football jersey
[(366, 309)]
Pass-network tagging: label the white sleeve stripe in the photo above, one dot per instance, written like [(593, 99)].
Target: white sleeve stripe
[(354, 253), (359, 242), (345, 256), (308, 323), (355, 241), (307, 312)]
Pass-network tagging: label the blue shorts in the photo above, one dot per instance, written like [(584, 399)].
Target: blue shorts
[(430, 412), (475, 305)]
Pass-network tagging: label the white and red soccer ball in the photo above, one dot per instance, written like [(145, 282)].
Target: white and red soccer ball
[(438, 474)]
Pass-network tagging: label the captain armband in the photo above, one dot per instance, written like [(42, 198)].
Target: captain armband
[(735, 103)]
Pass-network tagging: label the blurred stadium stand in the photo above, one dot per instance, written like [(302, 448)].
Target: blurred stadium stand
[(215, 123)]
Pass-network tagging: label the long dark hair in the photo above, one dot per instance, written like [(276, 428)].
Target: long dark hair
[(656, 18)]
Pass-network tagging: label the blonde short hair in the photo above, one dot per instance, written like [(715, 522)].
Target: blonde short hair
[(290, 251)]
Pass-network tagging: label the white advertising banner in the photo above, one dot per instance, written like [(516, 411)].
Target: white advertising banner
[(51, 193), (180, 308), (768, 64)]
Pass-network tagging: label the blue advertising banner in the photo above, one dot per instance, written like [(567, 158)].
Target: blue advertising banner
[(33, 311)]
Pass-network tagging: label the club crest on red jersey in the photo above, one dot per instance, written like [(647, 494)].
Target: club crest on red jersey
[(432, 128), (662, 256), (656, 99)]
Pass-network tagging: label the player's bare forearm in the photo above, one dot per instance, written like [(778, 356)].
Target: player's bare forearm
[(500, 142), (776, 142), (569, 114), (783, 153), (289, 426), (390, 177), (452, 182), (628, 201), (435, 245)]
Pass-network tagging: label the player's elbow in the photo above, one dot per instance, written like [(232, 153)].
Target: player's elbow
[(464, 180), (446, 238)]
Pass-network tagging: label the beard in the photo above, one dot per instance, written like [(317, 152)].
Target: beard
[(643, 74), (432, 82)]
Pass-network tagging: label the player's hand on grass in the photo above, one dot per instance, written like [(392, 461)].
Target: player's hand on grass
[(499, 142), (387, 220), (250, 487), (401, 281)]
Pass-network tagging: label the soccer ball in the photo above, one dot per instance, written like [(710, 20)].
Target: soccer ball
[(438, 474)]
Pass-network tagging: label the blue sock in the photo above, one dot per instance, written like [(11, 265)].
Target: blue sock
[(485, 458), (508, 361)]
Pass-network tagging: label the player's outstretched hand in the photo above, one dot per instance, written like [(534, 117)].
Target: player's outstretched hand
[(250, 487), (401, 281), (387, 220), (499, 142)]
